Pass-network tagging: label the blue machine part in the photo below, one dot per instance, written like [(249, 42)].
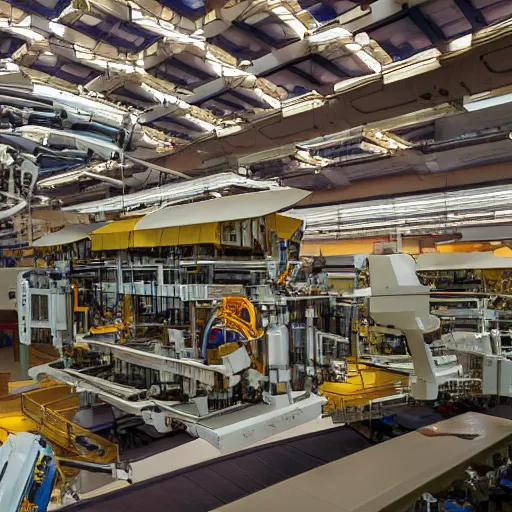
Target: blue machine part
[(44, 491), (454, 506), (192, 9), (218, 336), (215, 334), (505, 482), (389, 420), (27, 471), (50, 9)]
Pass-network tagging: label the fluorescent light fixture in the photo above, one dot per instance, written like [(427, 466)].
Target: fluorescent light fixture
[(347, 84), (289, 19), (495, 101), (490, 205), (229, 130), (461, 43), (353, 47), (369, 61), (173, 193), (373, 148), (23, 29), (268, 155), (91, 171)]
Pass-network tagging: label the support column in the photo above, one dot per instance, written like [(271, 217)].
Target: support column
[(24, 360)]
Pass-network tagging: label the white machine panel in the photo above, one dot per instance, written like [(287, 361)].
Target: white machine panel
[(505, 378)]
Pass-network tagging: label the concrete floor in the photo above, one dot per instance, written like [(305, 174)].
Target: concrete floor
[(8, 364)]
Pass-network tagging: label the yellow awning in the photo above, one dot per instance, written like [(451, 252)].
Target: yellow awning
[(117, 235), (286, 226), (179, 235), (121, 234), (503, 252), (467, 247), (15, 253)]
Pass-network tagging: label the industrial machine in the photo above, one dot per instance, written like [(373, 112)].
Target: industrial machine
[(187, 326), (444, 356), (202, 317), (399, 300), (471, 295)]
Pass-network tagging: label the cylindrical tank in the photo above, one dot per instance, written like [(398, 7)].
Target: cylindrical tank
[(278, 346)]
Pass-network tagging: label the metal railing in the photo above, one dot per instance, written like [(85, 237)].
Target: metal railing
[(343, 412), (50, 415)]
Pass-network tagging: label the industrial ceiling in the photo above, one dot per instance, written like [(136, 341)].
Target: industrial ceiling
[(132, 104)]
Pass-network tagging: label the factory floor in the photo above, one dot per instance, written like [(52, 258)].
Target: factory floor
[(176, 453), (9, 365), (194, 478), (220, 480)]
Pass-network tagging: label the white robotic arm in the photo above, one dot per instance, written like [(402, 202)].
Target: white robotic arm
[(398, 299)]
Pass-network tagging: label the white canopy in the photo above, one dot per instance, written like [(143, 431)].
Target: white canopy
[(461, 261), (68, 235), (242, 206)]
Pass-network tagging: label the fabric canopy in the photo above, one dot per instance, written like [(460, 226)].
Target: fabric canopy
[(242, 206), (286, 226), (207, 233), (68, 235)]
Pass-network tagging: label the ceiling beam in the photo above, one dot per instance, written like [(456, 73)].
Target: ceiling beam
[(156, 167), (410, 183), (476, 70)]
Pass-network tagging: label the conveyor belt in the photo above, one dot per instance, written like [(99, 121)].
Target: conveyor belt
[(212, 484), (390, 476)]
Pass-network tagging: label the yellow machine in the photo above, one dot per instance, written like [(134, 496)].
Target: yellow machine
[(120, 326), (76, 307), (285, 275), (364, 383), (239, 313)]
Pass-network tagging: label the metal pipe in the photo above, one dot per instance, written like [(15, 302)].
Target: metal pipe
[(119, 470), (11, 212), (310, 346), (86, 466), (158, 168), (100, 177)]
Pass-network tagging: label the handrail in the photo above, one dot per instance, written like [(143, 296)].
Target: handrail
[(67, 434)]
